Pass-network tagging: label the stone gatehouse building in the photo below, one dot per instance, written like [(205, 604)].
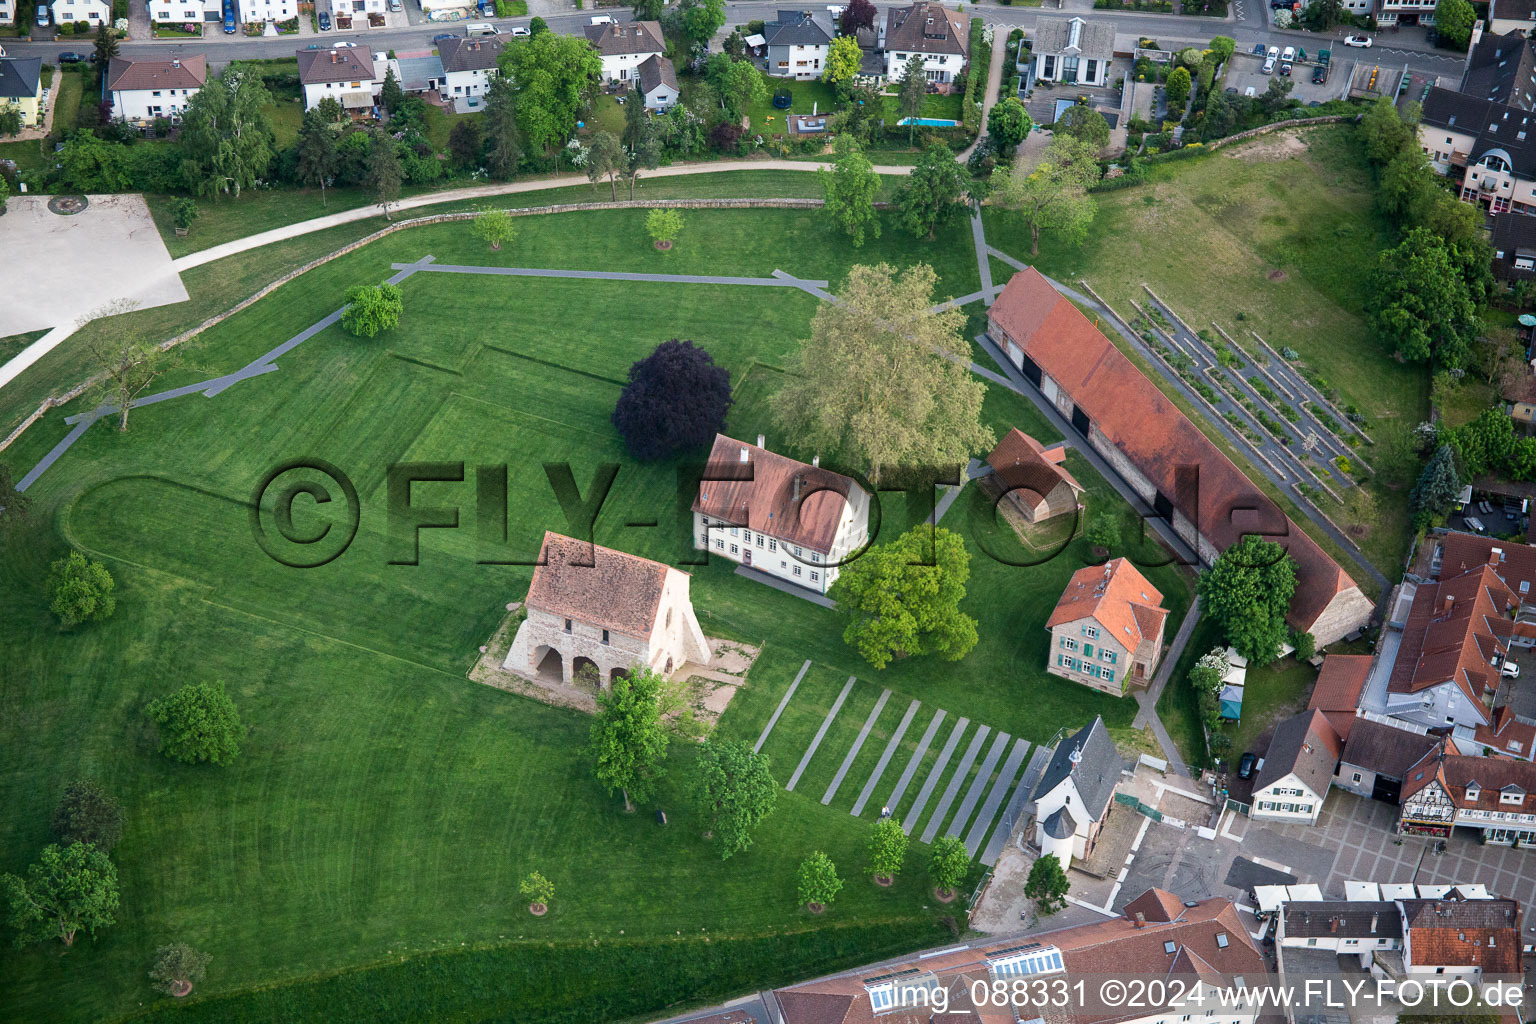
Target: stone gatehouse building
[(593, 606)]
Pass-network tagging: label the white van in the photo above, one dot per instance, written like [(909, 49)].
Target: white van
[(481, 28), (602, 19)]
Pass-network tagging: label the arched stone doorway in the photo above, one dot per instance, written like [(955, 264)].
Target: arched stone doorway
[(585, 675), (548, 665), (616, 674)]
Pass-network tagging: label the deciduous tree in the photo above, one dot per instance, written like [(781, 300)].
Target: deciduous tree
[(318, 160), (383, 173), (1384, 132), (12, 121), (70, 889), (933, 194), (737, 83), (14, 504), (552, 76), (850, 188), (372, 308), (629, 746), (225, 136), (699, 20), (494, 227), (1047, 884), (1248, 593), (537, 890), (1008, 123), (88, 814), (887, 849), (80, 590), (883, 379), (1419, 302), (818, 884), (733, 791), (663, 224), (676, 400), (1222, 48), (1054, 196), (1177, 87), (1453, 23), (948, 864), (604, 157), (843, 58), (902, 599), (177, 968), (911, 93), (856, 15), (198, 723), (1084, 123)]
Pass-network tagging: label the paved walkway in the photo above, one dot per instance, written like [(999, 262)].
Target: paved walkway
[(853, 751), (785, 587), (961, 771), (1017, 806), (763, 738), (933, 777), (1000, 790), (978, 784), (1146, 700), (885, 759), (913, 762), (779, 279), (826, 723), (994, 82)]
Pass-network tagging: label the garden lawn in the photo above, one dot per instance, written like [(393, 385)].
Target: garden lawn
[(383, 806), (68, 94), (286, 114), (1277, 236), (1271, 694)]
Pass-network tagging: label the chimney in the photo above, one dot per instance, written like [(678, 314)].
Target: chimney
[(1373, 923), (1140, 920), (1450, 602), (816, 461), (1496, 556), (744, 456), (798, 481), (175, 62), (761, 441), (1333, 924)]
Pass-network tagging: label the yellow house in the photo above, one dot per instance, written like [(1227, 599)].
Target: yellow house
[(21, 85)]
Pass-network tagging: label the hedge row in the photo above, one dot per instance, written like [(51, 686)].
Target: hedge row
[(976, 77)]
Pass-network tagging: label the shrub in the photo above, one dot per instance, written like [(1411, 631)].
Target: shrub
[(198, 723), (80, 590)]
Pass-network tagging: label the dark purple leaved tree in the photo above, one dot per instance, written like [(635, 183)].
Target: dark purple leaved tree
[(676, 399), (859, 14)]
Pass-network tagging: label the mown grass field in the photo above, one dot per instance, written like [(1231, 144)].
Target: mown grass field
[(383, 806), (1278, 236)]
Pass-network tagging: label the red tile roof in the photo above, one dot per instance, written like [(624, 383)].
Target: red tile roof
[(591, 583), (1515, 563), (1494, 776), (1021, 462), (785, 499), (124, 74), (1508, 734), (1455, 628), (1157, 905), (1480, 933), (1138, 419), (1339, 685), (1117, 597)]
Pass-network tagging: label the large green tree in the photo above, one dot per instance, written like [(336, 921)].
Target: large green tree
[(70, 889), (1420, 304), (177, 968), (629, 745), (902, 599), (552, 76), (843, 58), (88, 814), (1177, 87), (737, 84), (1453, 23), (817, 881), (1084, 123), (225, 136), (933, 193), (948, 864), (1047, 884), (1384, 132), (911, 92), (605, 157), (699, 20), (128, 364), (884, 380), (1247, 593), (851, 187), (887, 849), (1054, 196), (372, 308), (198, 723), (1008, 123), (318, 159), (733, 790), (502, 148), (383, 173), (80, 590)]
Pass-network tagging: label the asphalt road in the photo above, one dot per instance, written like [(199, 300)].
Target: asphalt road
[(1247, 25)]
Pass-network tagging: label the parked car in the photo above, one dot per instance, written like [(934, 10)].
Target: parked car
[(1270, 59), (324, 18), (1474, 524), (1245, 766), (1288, 55), (1285, 69), (71, 58), (444, 35), (602, 19), (1258, 49), (42, 14), (396, 6), (1509, 670), (1319, 75), (520, 30), (230, 21), (1364, 42)]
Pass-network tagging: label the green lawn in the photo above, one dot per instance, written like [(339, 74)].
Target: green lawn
[(286, 113), (383, 807), (1270, 695), (68, 95), (1278, 236)]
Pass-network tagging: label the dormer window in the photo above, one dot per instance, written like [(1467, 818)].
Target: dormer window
[(1511, 795), (1473, 792)]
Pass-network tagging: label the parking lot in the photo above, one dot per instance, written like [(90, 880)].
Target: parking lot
[(1246, 73)]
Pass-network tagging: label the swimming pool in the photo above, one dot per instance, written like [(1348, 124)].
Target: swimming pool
[(929, 122)]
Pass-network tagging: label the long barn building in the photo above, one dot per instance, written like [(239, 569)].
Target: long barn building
[(1175, 468)]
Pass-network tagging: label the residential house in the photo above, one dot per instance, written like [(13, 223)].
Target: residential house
[(795, 522), (940, 36), (419, 71), (658, 85), (1500, 68), (343, 9), (624, 46), (184, 12), (1397, 13), (469, 64), (346, 74), (21, 86), (1107, 628), (1505, 16), (142, 90), (1355, 927), (1157, 936), (1486, 148), (1298, 767), (1337, 691), (95, 12), (596, 609), (1494, 795), (1155, 448), (1073, 51), (1474, 941), (1378, 755), (1514, 248), (1033, 477), (1073, 794), (797, 44)]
